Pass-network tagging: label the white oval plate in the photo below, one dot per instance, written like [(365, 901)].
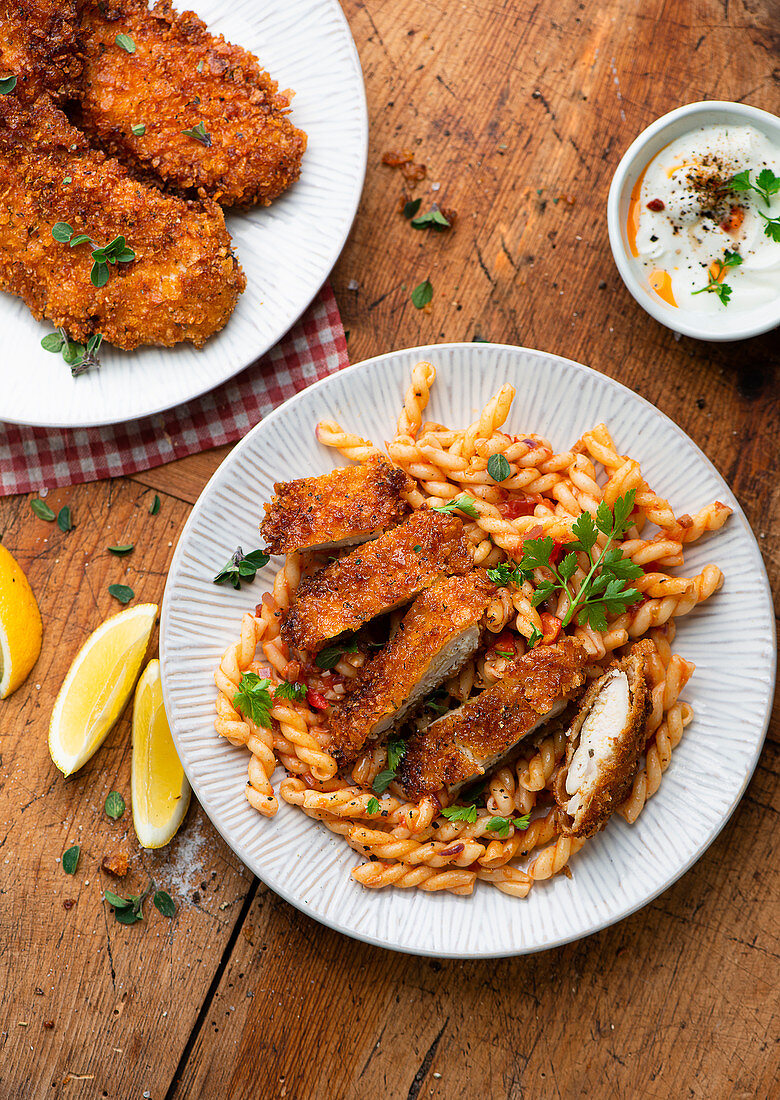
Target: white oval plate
[(287, 249), (731, 639)]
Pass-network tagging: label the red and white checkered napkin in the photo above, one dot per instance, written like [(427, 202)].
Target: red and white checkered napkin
[(38, 458)]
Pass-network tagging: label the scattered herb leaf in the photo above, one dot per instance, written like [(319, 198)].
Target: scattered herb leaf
[(241, 566), (121, 592), (372, 806), (766, 185), (61, 232), (253, 699), (498, 467), (771, 227), (501, 825), (383, 781), (165, 903), (115, 805), (411, 207), (7, 85), (715, 284), (55, 342), (42, 510), (506, 573), (154, 507), (121, 549), (199, 66), (138, 129), (422, 294), (125, 42), (536, 637), (115, 900), (396, 751), (70, 859), (463, 503), (461, 813), (128, 910), (64, 519), (433, 219), (199, 133)]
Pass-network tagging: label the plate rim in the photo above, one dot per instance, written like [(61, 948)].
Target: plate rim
[(427, 351), (333, 257)]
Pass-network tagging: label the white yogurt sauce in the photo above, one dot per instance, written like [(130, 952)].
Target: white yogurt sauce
[(699, 219)]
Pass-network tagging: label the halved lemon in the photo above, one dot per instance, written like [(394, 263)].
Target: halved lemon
[(21, 629), (160, 791), (98, 685)]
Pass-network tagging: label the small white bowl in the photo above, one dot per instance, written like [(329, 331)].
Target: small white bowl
[(737, 326)]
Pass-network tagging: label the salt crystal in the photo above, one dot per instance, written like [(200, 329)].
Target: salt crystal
[(435, 186), (353, 284), (43, 492)]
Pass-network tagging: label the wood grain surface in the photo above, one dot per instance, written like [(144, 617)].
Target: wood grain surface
[(520, 112)]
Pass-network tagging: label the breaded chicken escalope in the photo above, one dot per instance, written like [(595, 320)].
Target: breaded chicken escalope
[(438, 634), (463, 745), (376, 578), (169, 76), (39, 46), (184, 280), (349, 505)]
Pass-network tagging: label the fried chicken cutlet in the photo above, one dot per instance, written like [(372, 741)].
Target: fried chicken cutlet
[(438, 634), (184, 280), (185, 105), (376, 578), (462, 745), (39, 45)]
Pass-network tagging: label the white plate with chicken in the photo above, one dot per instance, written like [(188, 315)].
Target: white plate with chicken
[(461, 678), (175, 188)]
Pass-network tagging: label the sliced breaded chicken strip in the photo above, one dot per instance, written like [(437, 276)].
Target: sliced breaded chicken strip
[(347, 506), (183, 281), (39, 45), (604, 743), (376, 578), (464, 744), (438, 634), (166, 97)]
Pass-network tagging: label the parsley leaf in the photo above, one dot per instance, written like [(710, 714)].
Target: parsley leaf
[(241, 566), (463, 503), (396, 751), (506, 573), (290, 690), (502, 825), (766, 185), (771, 227), (715, 284), (461, 813), (536, 637), (253, 699)]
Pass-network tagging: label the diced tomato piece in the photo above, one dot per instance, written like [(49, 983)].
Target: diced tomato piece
[(505, 640), (557, 550), (314, 699), (519, 506), (551, 628)]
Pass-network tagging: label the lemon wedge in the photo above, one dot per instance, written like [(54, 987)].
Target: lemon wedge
[(21, 629), (98, 685), (160, 791)]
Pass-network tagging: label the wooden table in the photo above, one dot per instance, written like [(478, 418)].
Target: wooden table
[(520, 111)]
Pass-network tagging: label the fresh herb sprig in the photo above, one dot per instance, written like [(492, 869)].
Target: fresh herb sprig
[(329, 657), (255, 701), (396, 751), (715, 283), (463, 503), (604, 587), (422, 294), (292, 691), (128, 910), (116, 251), (241, 566), (79, 357), (199, 134), (431, 219)]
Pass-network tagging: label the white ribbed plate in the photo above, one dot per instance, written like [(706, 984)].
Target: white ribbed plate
[(731, 639), (287, 250)]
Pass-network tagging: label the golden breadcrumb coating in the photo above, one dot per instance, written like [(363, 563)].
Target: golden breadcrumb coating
[(438, 634), (614, 774), (39, 45), (464, 744), (376, 578), (348, 505), (180, 77), (184, 281)]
